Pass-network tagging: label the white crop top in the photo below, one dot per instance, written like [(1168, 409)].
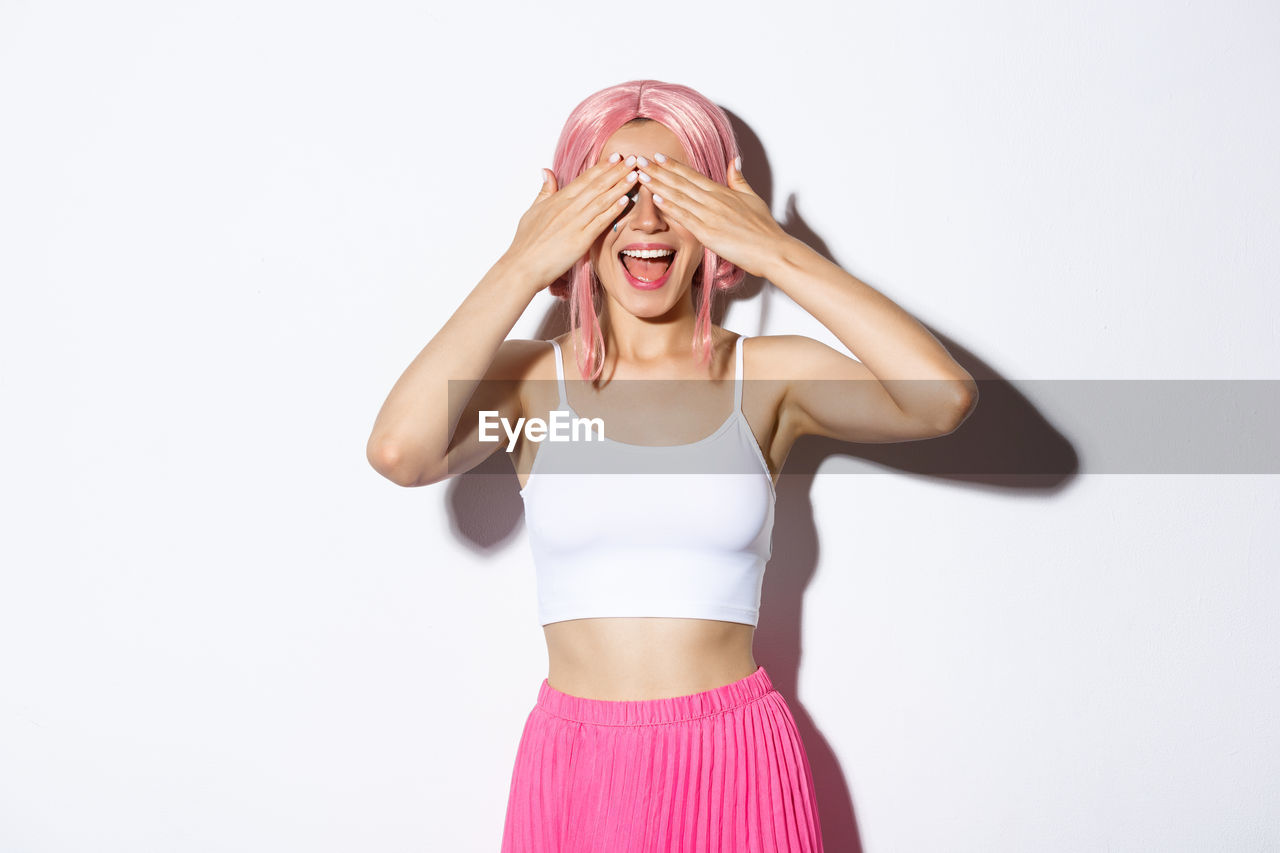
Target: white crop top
[(689, 537)]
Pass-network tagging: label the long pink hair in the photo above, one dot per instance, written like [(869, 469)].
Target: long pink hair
[(709, 144)]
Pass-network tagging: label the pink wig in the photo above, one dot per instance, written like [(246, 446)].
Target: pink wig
[(709, 144)]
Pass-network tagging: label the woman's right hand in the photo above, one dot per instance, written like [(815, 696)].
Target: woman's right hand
[(562, 224)]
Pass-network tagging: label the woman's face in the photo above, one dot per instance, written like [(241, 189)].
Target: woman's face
[(645, 287)]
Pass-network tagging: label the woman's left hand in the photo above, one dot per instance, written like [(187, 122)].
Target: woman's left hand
[(732, 221)]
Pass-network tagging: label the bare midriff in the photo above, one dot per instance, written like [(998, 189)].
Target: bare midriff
[(646, 657)]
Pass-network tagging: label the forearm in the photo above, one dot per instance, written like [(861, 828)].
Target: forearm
[(413, 429), (885, 338)]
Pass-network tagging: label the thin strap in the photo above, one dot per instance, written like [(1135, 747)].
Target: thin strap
[(564, 398), (737, 383)]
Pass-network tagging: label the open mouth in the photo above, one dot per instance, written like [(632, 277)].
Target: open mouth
[(647, 266)]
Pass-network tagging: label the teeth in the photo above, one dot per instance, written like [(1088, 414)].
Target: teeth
[(648, 253)]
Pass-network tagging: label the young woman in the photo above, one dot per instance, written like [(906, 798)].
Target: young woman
[(655, 728)]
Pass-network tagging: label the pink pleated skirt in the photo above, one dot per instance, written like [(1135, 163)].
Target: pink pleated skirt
[(721, 770)]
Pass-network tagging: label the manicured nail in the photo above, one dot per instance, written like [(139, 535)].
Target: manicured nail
[(737, 164), (622, 201), (643, 177), (631, 161), (631, 177), (643, 162), (657, 199), (615, 157), (659, 157)]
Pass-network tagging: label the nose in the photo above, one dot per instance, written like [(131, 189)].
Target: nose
[(646, 216)]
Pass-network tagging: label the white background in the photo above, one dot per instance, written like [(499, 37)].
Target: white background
[(225, 228)]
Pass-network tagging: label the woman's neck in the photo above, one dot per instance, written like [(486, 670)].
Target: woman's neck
[(635, 340)]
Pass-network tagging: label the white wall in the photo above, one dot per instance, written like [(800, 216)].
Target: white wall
[(225, 228)]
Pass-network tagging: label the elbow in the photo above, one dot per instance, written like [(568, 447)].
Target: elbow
[(959, 409), (388, 461)]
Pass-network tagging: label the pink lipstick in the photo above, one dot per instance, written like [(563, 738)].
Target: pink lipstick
[(641, 284)]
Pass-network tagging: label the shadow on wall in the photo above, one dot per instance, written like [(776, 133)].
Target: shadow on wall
[(1005, 443)]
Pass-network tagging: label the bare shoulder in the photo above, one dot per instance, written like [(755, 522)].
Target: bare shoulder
[(830, 393), (797, 357), (528, 366)]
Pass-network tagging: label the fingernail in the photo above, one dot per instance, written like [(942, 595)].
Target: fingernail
[(657, 199), (737, 164), (631, 161), (615, 157), (622, 201), (644, 178), (631, 177), (659, 158), (643, 162)]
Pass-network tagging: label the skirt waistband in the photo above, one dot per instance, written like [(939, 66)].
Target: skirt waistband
[(638, 712)]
